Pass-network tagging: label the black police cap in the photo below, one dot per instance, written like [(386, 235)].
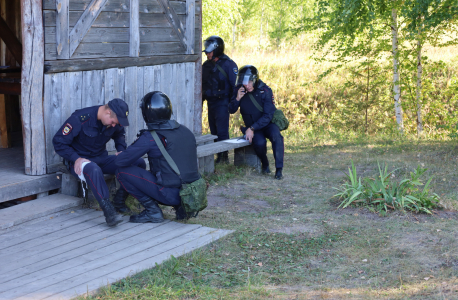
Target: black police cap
[(121, 109)]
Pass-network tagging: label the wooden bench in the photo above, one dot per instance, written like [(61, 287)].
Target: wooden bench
[(243, 154)]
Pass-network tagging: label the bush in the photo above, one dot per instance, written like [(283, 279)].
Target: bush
[(383, 193)]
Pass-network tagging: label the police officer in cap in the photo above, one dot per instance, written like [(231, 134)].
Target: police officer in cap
[(83, 139), (251, 93), (160, 185), (218, 80)]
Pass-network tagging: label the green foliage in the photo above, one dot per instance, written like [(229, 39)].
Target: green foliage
[(384, 193), (218, 17)]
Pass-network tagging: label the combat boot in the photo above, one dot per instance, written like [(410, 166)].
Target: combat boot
[(111, 217), (180, 213), (278, 173), (119, 201), (265, 169), (152, 212), (223, 158)]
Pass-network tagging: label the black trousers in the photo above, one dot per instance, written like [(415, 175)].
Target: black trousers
[(93, 173), (259, 143), (218, 120)]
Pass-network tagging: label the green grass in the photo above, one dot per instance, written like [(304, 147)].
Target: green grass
[(292, 242)]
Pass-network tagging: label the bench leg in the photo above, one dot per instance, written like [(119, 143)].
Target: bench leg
[(247, 156), (207, 163), (70, 185)]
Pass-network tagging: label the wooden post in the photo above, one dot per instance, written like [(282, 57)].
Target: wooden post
[(247, 156), (134, 39), (190, 25), (62, 29), (32, 87), (198, 78), (4, 138)]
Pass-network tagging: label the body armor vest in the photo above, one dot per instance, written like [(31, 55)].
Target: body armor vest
[(248, 110), (181, 146)]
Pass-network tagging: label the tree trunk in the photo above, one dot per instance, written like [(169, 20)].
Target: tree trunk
[(260, 27), (396, 84), (233, 34), (419, 72)]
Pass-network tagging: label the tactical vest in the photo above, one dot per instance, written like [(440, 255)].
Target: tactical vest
[(249, 112), (181, 146), (214, 81)]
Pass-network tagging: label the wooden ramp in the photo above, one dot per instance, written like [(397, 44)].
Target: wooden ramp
[(76, 253)]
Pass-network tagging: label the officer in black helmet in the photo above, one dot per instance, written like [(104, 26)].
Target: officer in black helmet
[(257, 106), (218, 80), (161, 184)]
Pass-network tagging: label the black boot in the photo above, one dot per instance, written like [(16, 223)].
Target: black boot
[(111, 217), (265, 169), (180, 213), (119, 201), (223, 158), (278, 174), (152, 212)]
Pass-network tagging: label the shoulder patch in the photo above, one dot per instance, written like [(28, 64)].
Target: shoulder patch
[(67, 129), (84, 117), (262, 92), (235, 71)]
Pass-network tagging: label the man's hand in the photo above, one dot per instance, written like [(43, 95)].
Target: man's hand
[(249, 134), (240, 93), (78, 164), (117, 153)]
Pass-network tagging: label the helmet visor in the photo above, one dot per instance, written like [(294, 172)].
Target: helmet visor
[(245, 79), (210, 46)]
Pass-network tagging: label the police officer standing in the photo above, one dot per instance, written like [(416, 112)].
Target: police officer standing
[(256, 102), (161, 184), (83, 138), (218, 80)]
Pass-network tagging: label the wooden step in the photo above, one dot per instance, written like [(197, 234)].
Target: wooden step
[(35, 209)]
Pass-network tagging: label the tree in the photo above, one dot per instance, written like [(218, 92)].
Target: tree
[(218, 17)]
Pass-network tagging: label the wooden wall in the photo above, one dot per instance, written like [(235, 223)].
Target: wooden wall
[(66, 92), (111, 33)]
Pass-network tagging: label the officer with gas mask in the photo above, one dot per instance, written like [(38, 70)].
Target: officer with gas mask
[(160, 185), (218, 80), (256, 102)]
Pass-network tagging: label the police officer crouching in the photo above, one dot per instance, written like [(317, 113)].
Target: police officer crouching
[(161, 184), (218, 80), (82, 140), (256, 102)]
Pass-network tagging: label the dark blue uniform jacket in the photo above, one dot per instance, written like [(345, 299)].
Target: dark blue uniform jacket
[(216, 86), (82, 135), (144, 144), (252, 116)]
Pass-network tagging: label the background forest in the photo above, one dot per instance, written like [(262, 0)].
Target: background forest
[(348, 67)]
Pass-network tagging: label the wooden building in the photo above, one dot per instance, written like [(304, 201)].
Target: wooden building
[(57, 56)]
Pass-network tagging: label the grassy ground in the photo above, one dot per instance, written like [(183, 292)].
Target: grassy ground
[(291, 242)]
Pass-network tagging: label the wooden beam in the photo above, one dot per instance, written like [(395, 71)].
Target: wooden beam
[(32, 87), (107, 63), (11, 41), (198, 75), (190, 25), (134, 38), (84, 23), (4, 137), (172, 17), (10, 88), (62, 30)]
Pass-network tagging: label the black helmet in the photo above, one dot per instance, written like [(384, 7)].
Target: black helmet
[(156, 107), (215, 44), (247, 73)]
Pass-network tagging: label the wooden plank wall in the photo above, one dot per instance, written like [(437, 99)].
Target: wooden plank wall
[(110, 34), (66, 92)]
